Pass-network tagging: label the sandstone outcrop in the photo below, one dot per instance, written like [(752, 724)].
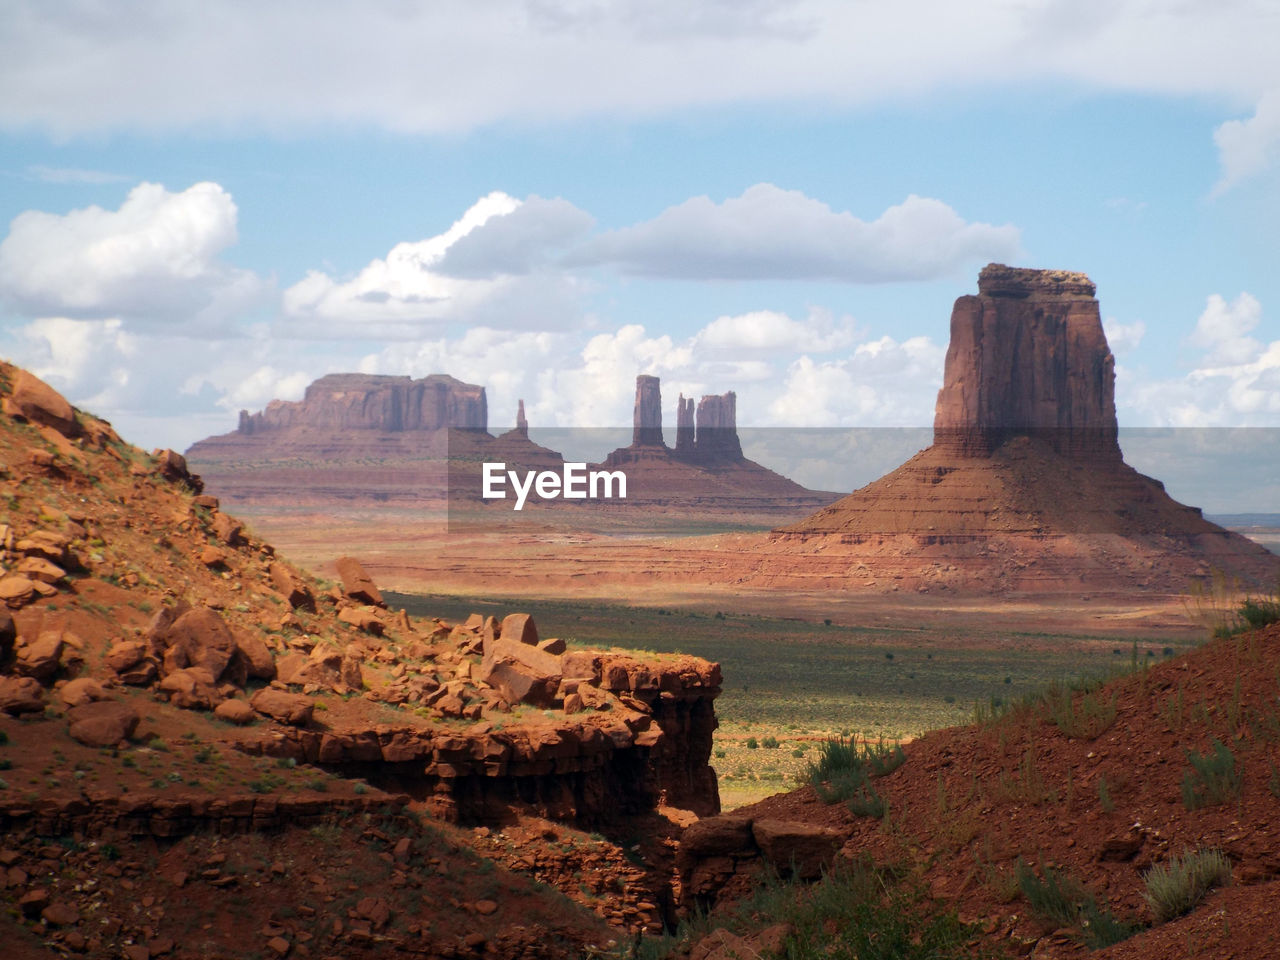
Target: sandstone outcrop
[(1028, 357), (716, 432), (33, 399), (357, 401)]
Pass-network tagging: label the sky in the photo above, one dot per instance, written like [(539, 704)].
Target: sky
[(207, 205)]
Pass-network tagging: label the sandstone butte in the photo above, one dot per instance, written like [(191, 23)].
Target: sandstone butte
[(1024, 486), (179, 682), (366, 439)]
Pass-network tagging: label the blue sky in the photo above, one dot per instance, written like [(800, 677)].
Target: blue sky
[(207, 205)]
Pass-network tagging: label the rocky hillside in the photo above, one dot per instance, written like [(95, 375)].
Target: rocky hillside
[(185, 716), (1087, 786)]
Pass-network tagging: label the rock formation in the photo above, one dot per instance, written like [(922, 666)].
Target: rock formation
[(684, 427), (1028, 358), (1024, 486), (357, 401), (522, 424), (716, 437), (647, 418), (706, 470)]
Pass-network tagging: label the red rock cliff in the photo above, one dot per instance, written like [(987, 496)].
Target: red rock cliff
[(1028, 357), (356, 401)]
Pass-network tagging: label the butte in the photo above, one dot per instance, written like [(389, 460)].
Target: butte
[(1024, 487)]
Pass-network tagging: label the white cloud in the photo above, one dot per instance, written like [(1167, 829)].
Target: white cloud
[(771, 233), (481, 271), (1223, 329), (769, 330), (456, 65), (156, 258), (1123, 337), (1247, 147), (1236, 381)]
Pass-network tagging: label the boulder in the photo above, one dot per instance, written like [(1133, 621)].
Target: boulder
[(519, 628), (16, 591), (82, 690), (362, 618), (228, 530), (125, 654), (292, 587), (235, 711), (356, 583), (102, 724), (190, 688), (41, 657), (38, 402), (802, 849), (199, 638), (20, 695), (290, 708), (259, 663), (520, 672), (717, 836), (173, 467), (40, 570)]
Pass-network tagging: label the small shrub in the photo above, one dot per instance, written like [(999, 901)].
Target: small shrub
[(752, 743), (770, 743), (1060, 900), (1214, 777), (1177, 886), (1088, 721)]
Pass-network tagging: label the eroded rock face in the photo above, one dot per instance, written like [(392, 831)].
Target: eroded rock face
[(647, 418), (357, 401), (716, 436), (1028, 356)]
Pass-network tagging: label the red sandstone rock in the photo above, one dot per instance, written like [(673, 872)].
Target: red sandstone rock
[(259, 663), (803, 849), (190, 688), (291, 708), (227, 530), (519, 628), (356, 583), (20, 695), (362, 618), (199, 638), (82, 690), (41, 657), (16, 591), (235, 711), (102, 724), (357, 401), (1028, 357), (292, 586), (38, 402)]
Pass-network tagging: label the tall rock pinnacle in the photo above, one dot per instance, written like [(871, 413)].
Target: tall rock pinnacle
[(522, 424), (684, 427), (1028, 357), (647, 420)]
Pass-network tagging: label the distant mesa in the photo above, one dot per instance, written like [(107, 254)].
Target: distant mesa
[(1024, 486), (358, 401)]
